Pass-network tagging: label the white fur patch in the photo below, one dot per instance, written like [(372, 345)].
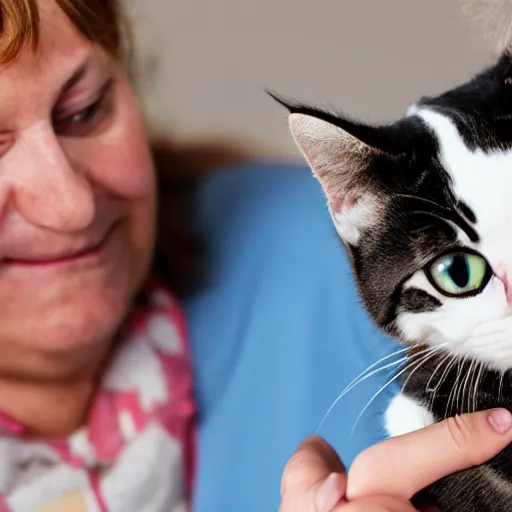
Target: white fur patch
[(350, 222), (405, 415), (483, 181)]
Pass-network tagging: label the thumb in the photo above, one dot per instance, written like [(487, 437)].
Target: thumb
[(314, 478), (404, 465)]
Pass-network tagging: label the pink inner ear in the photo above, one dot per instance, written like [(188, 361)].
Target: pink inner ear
[(341, 188)]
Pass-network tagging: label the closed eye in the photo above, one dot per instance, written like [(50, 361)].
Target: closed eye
[(89, 119)]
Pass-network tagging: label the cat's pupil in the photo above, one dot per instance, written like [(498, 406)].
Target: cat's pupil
[(458, 270)]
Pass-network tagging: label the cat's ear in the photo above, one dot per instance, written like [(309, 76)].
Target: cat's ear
[(340, 161)]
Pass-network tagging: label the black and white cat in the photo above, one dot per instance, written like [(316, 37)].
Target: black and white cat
[(424, 209)]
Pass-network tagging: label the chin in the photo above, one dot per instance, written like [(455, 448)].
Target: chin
[(82, 312), (87, 322)]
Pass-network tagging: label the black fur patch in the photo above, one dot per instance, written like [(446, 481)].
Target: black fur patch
[(414, 300), (467, 212), (481, 108), (439, 383)]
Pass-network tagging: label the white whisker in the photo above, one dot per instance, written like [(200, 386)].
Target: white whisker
[(368, 375), (429, 382), (427, 354), (381, 360), (466, 387), (451, 363), (451, 396), (361, 378), (500, 387), (460, 386), (475, 389)]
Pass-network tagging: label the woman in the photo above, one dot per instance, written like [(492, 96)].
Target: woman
[(98, 407)]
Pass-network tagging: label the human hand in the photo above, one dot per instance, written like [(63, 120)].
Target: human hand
[(385, 477)]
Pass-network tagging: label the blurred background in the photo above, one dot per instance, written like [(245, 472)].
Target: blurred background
[(205, 64)]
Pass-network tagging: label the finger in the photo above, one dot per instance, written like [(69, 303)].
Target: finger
[(314, 478), (404, 465), (322, 496), (312, 462), (377, 504)]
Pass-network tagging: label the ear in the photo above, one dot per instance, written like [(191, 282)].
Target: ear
[(341, 162)]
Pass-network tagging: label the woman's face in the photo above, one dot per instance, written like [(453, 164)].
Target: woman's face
[(77, 198)]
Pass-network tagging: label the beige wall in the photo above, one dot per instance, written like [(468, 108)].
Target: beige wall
[(370, 58)]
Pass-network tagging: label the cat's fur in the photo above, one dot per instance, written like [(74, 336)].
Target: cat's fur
[(402, 195)]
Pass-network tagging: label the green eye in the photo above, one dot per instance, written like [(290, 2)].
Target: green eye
[(459, 274)]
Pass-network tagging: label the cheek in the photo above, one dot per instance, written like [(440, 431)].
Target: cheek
[(124, 162), (123, 165), (118, 160), (456, 317), (463, 315), (119, 163)]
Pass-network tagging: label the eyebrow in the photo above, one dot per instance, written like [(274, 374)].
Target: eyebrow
[(75, 77)]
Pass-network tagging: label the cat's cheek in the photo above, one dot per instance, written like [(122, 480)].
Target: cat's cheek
[(435, 328), (465, 314), (456, 319), (494, 296)]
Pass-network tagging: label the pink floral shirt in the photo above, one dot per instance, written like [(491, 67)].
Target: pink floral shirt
[(136, 453)]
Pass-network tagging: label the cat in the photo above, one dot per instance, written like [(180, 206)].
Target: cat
[(423, 207)]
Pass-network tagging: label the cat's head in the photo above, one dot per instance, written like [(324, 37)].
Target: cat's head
[(424, 208)]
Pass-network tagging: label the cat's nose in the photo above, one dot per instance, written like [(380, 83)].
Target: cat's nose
[(503, 277)]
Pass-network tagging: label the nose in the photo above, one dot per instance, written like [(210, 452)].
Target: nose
[(502, 275), (47, 190)]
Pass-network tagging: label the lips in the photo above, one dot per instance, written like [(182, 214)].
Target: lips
[(64, 255)]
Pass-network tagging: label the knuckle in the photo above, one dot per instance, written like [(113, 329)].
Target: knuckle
[(462, 434), (306, 466), (294, 485), (297, 471), (372, 505), (364, 473), (458, 430), (287, 477)]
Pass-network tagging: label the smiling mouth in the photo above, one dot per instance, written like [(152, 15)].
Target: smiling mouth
[(89, 252)]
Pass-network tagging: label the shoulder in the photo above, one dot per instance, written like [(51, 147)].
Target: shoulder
[(266, 175), (275, 330), (263, 193)]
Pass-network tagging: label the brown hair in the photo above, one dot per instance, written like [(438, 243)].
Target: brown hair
[(97, 20), (178, 166)]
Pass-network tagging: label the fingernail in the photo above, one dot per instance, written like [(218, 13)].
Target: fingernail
[(328, 495), (500, 420)]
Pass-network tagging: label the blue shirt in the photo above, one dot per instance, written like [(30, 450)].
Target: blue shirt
[(277, 333)]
